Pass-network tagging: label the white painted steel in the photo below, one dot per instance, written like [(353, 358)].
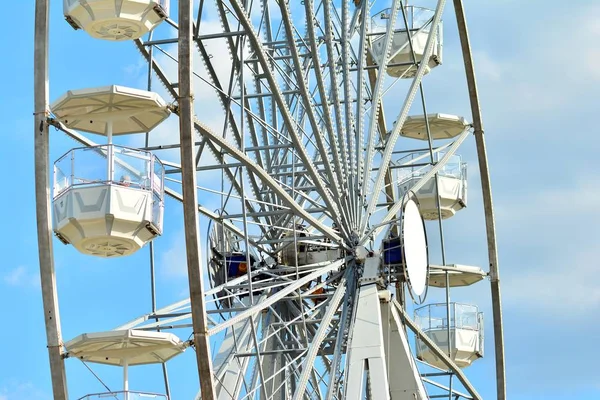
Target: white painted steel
[(126, 347), (229, 369), (116, 20), (403, 372), (308, 364), (401, 51), (414, 247), (465, 331), (395, 133), (305, 253), (106, 220), (441, 126), (130, 110), (392, 211), (452, 194), (366, 354), (458, 275), (126, 378)]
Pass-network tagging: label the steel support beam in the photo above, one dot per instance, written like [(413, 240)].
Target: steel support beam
[(276, 297), (190, 203), (415, 188), (389, 187), (321, 186), (168, 191), (317, 341), (230, 371), (403, 374), (486, 188), (393, 137), (43, 201), (366, 350)]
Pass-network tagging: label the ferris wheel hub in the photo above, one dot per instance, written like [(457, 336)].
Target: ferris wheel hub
[(361, 253)]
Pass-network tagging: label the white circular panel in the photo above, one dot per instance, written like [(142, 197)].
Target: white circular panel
[(116, 20), (441, 126), (414, 247), (129, 110), (137, 347)]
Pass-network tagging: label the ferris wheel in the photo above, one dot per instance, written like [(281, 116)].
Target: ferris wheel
[(322, 186)]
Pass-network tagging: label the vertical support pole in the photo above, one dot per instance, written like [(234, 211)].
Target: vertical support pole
[(126, 378), (366, 349), (109, 131), (110, 152), (190, 203), (403, 375), (42, 196), (487, 198), (152, 173)]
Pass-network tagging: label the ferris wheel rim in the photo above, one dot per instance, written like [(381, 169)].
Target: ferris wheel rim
[(339, 208)]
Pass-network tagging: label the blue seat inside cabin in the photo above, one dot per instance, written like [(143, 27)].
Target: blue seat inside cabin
[(236, 264), (392, 251)]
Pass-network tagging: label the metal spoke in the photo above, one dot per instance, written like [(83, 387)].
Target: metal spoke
[(393, 137)]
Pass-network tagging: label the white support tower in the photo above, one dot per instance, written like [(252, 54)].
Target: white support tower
[(367, 370)]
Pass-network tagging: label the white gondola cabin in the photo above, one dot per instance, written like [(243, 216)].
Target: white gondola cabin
[(452, 183), (400, 61), (116, 20), (465, 331), (108, 200), (108, 210)]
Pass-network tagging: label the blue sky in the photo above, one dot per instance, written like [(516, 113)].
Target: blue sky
[(538, 74)]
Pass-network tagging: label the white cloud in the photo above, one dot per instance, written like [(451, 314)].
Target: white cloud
[(545, 69), (587, 35), (553, 240), (18, 390), (15, 276), (592, 60), (173, 262), (135, 70), (20, 276), (556, 213), (566, 286), (487, 67)]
